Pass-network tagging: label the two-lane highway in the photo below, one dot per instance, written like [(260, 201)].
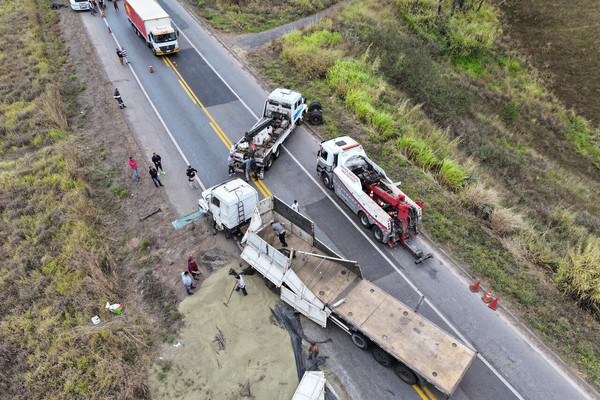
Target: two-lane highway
[(207, 100)]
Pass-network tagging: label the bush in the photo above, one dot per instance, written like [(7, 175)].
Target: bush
[(509, 112), (480, 200), (505, 222), (587, 142), (311, 55), (452, 175)]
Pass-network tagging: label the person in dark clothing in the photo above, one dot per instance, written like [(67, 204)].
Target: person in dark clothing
[(154, 175), (117, 97), (279, 230), (254, 168), (116, 4), (157, 160), (120, 55), (191, 174), (193, 268)]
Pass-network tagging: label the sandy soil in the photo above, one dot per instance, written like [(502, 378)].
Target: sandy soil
[(253, 359)]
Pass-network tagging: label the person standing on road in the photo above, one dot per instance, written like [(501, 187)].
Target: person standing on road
[(241, 285), (191, 174), (231, 164), (157, 160), (116, 4), (279, 230), (124, 54), (120, 55), (313, 351), (133, 164), (295, 206), (154, 175), (193, 268), (247, 167), (117, 96), (92, 7), (187, 282)]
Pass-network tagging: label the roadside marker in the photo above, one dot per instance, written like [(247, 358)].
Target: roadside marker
[(487, 297), (475, 287), (494, 304)]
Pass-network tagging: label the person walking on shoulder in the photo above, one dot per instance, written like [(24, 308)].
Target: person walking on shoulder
[(133, 164), (157, 160), (120, 55), (117, 96), (241, 285), (279, 230), (154, 175), (295, 206), (187, 282), (191, 174), (124, 54), (193, 268), (116, 4)]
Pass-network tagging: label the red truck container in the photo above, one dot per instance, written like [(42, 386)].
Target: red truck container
[(152, 24)]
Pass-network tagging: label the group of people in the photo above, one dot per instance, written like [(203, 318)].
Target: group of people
[(94, 4), (250, 166), (191, 276), (154, 171)]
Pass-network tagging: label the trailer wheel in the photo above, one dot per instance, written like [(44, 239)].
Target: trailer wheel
[(326, 180), (269, 162), (364, 220), (405, 374), (315, 117), (377, 234), (315, 105), (383, 358), (277, 153), (360, 341)]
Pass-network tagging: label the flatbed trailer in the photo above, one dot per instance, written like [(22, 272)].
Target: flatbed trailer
[(323, 286)]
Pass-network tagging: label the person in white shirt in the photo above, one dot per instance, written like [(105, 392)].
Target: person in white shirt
[(295, 206), (241, 285)]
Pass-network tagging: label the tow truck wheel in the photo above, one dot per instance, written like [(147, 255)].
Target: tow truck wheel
[(277, 153), (364, 220), (377, 234), (269, 162), (360, 341), (405, 374), (315, 105), (382, 357), (326, 180)]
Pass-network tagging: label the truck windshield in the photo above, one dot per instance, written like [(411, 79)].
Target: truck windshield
[(167, 37)]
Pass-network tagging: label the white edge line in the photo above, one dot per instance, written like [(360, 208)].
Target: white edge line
[(412, 285), (156, 111)]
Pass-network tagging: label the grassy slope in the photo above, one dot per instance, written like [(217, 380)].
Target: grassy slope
[(57, 270), (498, 194)]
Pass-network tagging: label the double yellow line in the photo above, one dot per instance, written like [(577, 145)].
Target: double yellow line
[(213, 124), (424, 392)]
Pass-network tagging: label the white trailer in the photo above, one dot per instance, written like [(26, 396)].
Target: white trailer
[(284, 109), (229, 205), (381, 207), (321, 285)]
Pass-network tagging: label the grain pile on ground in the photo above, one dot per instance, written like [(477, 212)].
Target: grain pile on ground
[(227, 352)]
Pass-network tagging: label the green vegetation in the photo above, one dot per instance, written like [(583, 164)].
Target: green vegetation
[(256, 15), (469, 126), (57, 270)]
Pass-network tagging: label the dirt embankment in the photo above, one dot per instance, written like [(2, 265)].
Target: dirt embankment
[(562, 39)]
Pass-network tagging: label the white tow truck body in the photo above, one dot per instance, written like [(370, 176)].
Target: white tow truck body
[(321, 285), (284, 109), (229, 205)]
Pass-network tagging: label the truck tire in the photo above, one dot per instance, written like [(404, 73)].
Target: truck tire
[(377, 233), (383, 358), (326, 180), (364, 220), (360, 341), (315, 117), (277, 152), (405, 374), (269, 162), (315, 105)]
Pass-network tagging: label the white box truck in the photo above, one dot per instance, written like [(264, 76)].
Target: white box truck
[(153, 24)]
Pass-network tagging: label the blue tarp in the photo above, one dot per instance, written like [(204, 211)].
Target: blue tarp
[(188, 219)]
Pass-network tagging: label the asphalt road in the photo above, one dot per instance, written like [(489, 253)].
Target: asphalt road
[(192, 112)]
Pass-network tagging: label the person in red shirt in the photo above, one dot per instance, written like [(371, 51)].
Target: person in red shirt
[(133, 164), (193, 268)]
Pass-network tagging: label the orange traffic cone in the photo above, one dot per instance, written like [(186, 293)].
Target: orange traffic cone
[(487, 297), (151, 69), (494, 304), (475, 287), (174, 64)]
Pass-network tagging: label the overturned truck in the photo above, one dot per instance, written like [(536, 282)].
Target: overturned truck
[(321, 285)]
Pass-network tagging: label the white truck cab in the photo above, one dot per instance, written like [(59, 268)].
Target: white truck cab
[(229, 205)]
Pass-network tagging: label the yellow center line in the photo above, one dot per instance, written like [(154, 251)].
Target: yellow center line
[(420, 392), (259, 182), (224, 140), (431, 396), (166, 60), (260, 188), (187, 91)]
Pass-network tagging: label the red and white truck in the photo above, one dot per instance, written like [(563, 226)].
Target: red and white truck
[(153, 24), (381, 207)]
